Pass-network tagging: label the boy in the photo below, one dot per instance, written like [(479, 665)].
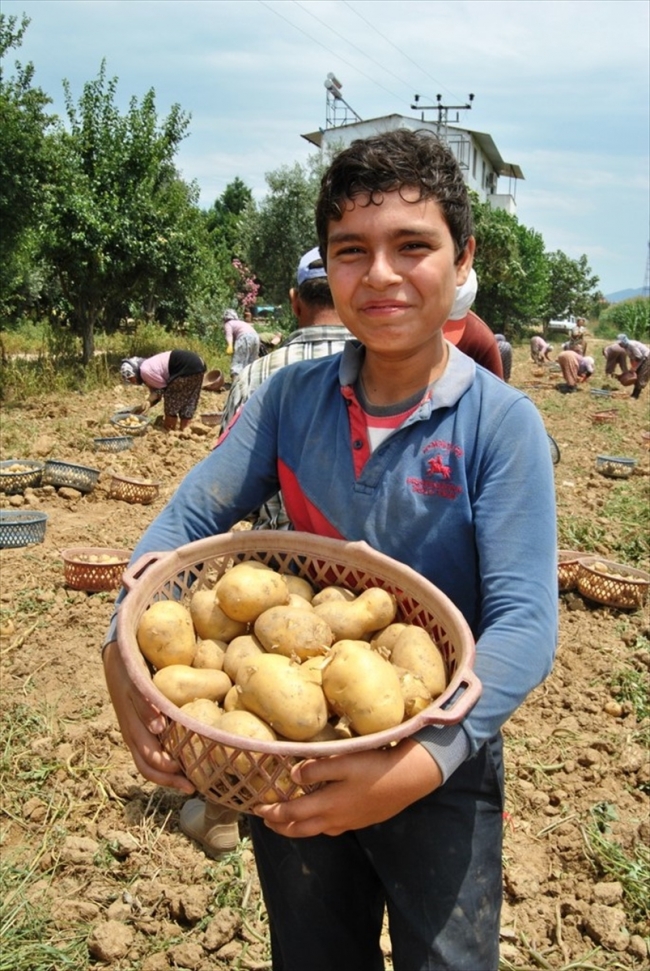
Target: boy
[(410, 446)]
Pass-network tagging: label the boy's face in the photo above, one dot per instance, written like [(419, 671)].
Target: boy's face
[(392, 272)]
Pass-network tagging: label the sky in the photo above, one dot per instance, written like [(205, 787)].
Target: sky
[(562, 87)]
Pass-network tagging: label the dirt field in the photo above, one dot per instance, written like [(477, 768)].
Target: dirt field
[(127, 891)]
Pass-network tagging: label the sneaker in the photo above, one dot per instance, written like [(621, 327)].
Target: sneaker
[(214, 828)]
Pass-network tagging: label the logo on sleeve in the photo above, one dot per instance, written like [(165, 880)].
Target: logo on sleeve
[(438, 471)]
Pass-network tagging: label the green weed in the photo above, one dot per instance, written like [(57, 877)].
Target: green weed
[(610, 860)]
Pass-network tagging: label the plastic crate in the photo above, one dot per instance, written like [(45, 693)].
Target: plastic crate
[(83, 569), (15, 482), (80, 477), (133, 490), (212, 759), (20, 527)]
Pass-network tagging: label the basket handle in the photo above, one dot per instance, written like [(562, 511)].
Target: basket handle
[(465, 696), (135, 570)]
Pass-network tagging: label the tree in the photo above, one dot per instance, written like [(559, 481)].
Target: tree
[(121, 227), (24, 160), (572, 286), (276, 234), (510, 267), (223, 219)]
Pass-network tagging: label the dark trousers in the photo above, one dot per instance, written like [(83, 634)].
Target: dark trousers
[(436, 867)]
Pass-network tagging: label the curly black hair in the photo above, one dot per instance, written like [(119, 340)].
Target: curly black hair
[(390, 161)]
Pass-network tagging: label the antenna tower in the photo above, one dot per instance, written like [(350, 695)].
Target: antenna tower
[(337, 110)]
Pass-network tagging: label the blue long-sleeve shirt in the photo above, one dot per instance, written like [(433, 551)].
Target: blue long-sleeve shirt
[(462, 492)]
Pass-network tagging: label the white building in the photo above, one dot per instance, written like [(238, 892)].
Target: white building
[(476, 152)]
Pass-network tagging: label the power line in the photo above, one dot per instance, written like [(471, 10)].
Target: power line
[(398, 49), (353, 46), (330, 51)]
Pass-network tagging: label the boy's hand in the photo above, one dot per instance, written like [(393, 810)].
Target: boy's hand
[(361, 789), (139, 722)]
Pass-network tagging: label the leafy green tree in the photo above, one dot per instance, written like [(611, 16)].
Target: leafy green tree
[(511, 269), (223, 219), (24, 164), (275, 234), (572, 286), (122, 230)]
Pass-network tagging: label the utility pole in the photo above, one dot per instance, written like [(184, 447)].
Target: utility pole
[(442, 109)]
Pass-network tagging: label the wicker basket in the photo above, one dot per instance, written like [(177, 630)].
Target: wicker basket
[(212, 417), (129, 423), (83, 571), (567, 568), (627, 591), (79, 477), (118, 443), (211, 758), (133, 490), (29, 476), (20, 527), (614, 466)]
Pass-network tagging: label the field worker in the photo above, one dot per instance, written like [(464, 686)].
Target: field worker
[(175, 377), (320, 333), (639, 357), (575, 369), (615, 356), (242, 342), (540, 351), (505, 350), (469, 333), (405, 443)]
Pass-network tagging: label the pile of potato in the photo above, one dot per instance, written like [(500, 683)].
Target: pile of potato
[(598, 567), (15, 468), (263, 655), (101, 559), (130, 421)]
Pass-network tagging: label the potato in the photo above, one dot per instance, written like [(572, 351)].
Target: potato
[(333, 593), (210, 621), (204, 710), (247, 645), (182, 684), (384, 640), (295, 600), (209, 654), (274, 688), (245, 591), (373, 609), (415, 650), (363, 687), (232, 701), (299, 587), (248, 725), (165, 634), (416, 695), (293, 632)]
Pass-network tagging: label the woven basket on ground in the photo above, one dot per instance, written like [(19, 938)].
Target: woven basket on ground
[(606, 417), (94, 568), (79, 477), (567, 568), (20, 527), (613, 584), (130, 424), (133, 490), (212, 759), (213, 381), (615, 466), (16, 475), (116, 443)]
